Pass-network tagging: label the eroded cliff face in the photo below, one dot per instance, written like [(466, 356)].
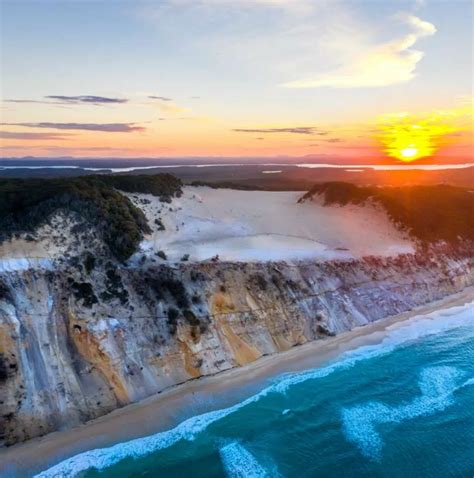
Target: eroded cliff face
[(80, 340)]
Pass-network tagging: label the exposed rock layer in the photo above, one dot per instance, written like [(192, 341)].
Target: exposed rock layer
[(74, 345)]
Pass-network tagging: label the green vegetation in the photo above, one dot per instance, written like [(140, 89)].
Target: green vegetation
[(114, 286), (26, 204), (428, 213), (227, 185), (4, 292), (165, 186), (85, 292), (89, 262), (3, 369), (162, 255), (159, 223), (173, 315)]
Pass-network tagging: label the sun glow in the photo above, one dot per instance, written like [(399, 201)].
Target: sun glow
[(409, 152), (409, 137)]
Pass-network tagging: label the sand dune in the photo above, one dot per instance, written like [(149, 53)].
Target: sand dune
[(263, 225)]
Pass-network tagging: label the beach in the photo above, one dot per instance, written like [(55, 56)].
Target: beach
[(174, 405)]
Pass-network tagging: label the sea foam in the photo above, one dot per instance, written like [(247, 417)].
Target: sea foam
[(240, 463), (397, 335), (437, 386)]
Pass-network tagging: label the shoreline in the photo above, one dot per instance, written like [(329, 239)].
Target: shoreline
[(166, 409)]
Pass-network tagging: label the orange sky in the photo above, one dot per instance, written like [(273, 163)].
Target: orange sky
[(260, 78)]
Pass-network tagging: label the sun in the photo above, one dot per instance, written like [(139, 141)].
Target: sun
[(409, 152), (408, 138)]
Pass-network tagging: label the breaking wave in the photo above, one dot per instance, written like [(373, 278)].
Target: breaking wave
[(437, 386), (240, 463), (396, 335)]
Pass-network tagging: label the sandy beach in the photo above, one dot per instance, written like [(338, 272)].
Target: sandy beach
[(167, 409)]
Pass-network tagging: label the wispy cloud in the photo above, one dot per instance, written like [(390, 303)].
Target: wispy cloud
[(72, 100), (167, 105), (31, 136), (293, 130), (378, 65), (104, 127), (20, 101), (87, 99), (161, 98)]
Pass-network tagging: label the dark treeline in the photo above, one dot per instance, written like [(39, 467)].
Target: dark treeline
[(26, 204), (428, 213)]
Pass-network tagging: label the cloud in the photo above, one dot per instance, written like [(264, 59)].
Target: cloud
[(104, 127), (167, 105), (164, 104), (386, 64), (31, 136), (161, 98), (294, 130), (72, 100), (87, 99), (30, 101)]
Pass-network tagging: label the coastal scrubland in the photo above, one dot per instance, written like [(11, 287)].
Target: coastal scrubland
[(428, 213), (26, 204)]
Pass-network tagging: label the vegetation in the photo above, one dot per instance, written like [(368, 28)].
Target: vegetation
[(3, 369), (428, 213), (4, 292), (89, 262), (114, 286), (259, 280), (162, 255), (227, 185), (26, 204), (159, 223), (85, 292), (173, 315), (165, 186)]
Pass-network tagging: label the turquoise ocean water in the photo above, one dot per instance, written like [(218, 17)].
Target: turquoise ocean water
[(401, 408)]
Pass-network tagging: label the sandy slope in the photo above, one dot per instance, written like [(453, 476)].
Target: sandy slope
[(262, 225), (49, 242)]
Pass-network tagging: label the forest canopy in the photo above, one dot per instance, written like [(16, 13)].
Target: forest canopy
[(26, 204), (428, 213)]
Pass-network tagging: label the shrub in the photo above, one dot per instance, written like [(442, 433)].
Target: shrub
[(89, 262), (173, 315), (4, 292), (162, 255), (114, 287), (84, 291), (178, 291), (159, 223), (3, 368), (260, 280)]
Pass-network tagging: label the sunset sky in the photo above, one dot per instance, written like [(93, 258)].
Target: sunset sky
[(173, 78)]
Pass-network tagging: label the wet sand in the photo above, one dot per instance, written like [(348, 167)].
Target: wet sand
[(166, 409)]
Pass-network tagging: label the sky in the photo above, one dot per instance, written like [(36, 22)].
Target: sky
[(330, 79)]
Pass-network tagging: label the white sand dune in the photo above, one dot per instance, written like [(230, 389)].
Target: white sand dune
[(262, 226)]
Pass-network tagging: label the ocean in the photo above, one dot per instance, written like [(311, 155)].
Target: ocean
[(401, 408)]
